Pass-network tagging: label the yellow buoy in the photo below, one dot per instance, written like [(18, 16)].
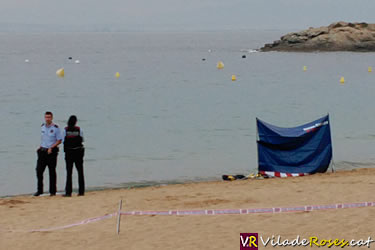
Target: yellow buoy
[(117, 74), (304, 68), (369, 69), (342, 79), (234, 77), (60, 72), (220, 65)]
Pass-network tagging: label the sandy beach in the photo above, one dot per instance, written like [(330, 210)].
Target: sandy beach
[(23, 213)]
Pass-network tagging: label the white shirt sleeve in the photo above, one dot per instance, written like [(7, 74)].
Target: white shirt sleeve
[(58, 134)]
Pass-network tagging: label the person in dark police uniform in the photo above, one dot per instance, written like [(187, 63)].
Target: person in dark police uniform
[(74, 152), (47, 153)]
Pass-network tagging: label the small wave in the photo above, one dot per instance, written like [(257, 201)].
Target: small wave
[(249, 50), (348, 165), (145, 183)]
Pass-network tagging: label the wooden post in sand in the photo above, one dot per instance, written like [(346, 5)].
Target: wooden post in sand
[(119, 217)]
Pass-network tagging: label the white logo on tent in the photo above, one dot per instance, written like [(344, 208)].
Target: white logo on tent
[(313, 127)]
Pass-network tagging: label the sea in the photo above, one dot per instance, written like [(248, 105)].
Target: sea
[(172, 116)]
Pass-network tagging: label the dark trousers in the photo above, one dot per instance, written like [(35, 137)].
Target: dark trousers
[(74, 157), (44, 160)]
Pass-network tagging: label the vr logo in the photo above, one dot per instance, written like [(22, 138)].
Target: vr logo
[(248, 241)]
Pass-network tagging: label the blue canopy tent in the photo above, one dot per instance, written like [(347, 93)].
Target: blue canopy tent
[(302, 150)]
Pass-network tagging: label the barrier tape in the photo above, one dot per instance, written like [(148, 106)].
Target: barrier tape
[(273, 210), (253, 210), (83, 222)]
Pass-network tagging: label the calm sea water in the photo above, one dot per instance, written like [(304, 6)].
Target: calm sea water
[(171, 116)]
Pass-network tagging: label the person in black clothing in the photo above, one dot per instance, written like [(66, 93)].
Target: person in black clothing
[(74, 152)]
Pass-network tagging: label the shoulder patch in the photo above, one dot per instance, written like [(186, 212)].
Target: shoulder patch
[(42, 125), (55, 125)]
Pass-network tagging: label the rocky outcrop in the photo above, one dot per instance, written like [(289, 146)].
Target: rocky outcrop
[(339, 36)]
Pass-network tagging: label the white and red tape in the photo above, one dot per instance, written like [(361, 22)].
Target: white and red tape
[(208, 212), (252, 210)]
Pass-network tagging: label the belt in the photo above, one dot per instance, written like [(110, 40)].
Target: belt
[(75, 148), (56, 149)]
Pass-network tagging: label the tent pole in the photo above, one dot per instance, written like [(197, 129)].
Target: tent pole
[(333, 169), (257, 139)]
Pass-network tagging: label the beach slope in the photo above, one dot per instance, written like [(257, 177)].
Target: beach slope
[(23, 213)]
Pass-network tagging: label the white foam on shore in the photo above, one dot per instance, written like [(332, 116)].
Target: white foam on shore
[(249, 50)]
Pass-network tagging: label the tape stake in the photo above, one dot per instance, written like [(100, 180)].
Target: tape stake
[(119, 217)]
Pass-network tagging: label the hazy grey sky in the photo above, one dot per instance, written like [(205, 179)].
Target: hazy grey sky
[(183, 14)]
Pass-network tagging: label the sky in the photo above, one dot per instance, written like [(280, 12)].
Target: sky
[(95, 15)]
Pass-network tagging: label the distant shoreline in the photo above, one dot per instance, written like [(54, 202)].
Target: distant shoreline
[(338, 36)]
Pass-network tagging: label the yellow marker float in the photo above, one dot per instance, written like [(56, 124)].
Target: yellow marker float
[(369, 69), (234, 78), (304, 68), (342, 80), (60, 72), (117, 74), (220, 65)]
